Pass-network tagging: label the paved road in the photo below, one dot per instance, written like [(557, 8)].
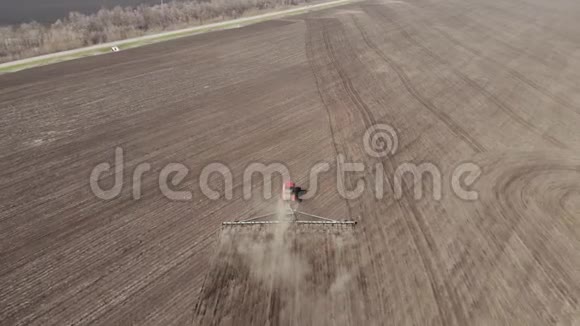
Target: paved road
[(196, 29), (493, 83)]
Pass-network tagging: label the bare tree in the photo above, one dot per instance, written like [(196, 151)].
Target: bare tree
[(118, 23)]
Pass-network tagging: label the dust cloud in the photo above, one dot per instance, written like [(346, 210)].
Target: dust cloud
[(287, 271), (274, 259)]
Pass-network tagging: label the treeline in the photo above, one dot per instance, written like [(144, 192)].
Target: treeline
[(108, 25)]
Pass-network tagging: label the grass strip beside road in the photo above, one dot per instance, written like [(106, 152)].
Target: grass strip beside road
[(155, 38)]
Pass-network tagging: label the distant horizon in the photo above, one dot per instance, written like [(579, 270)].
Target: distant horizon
[(48, 11)]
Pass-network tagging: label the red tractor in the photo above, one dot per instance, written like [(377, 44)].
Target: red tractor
[(291, 192)]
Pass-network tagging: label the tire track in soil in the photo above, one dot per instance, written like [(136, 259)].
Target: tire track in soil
[(520, 203), (426, 103), (511, 224), (353, 95), (560, 99), (514, 73), (512, 256), (366, 115), (428, 249), (331, 125), (468, 81)]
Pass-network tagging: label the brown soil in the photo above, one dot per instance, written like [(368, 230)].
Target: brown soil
[(496, 83)]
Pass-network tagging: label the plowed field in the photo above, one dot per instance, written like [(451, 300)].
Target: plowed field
[(492, 83)]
